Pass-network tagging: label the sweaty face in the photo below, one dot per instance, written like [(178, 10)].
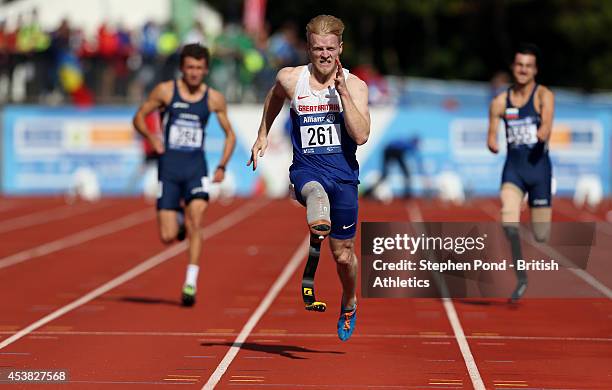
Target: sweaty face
[(194, 71), (323, 51), (524, 68)]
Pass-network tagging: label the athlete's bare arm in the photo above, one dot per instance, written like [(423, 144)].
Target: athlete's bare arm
[(283, 88), (158, 98), (217, 104), (354, 96), (496, 112), (547, 110)]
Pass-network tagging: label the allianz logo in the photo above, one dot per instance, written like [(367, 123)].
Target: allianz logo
[(318, 119), (180, 105), (314, 119)]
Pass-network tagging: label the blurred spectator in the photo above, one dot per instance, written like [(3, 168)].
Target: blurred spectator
[(120, 63), (228, 73), (31, 37), (146, 62), (264, 78), (30, 44), (167, 47), (116, 66), (60, 46), (148, 41), (168, 42)]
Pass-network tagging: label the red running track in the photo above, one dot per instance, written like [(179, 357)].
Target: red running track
[(103, 303)]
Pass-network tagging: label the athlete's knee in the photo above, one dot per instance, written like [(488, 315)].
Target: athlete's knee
[(510, 212), (196, 208), (195, 221), (167, 235), (344, 252), (344, 256)]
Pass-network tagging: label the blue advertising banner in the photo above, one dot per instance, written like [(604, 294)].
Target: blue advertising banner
[(455, 141), (43, 147)]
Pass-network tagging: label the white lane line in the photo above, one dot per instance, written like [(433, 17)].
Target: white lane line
[(415, 216), (553, 254), (468, 358), (294, 262), (78, 238), (45, 216), (216, 227)]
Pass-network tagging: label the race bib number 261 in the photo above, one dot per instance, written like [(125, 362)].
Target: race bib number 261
[(320, 134)]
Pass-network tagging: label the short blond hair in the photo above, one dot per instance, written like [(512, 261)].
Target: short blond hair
[(323, 25)]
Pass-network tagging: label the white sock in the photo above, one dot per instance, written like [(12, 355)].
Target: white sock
[(192, 275)]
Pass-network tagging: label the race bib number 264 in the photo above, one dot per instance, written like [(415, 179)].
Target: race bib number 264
[(185, 137)]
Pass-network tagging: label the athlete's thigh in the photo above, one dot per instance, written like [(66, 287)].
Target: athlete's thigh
[(513, 189), (344, 210), (511, 197)]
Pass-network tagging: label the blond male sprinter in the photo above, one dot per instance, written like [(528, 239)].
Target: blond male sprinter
[(330, 118)]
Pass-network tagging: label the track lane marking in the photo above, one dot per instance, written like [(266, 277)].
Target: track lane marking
[(75, 239), (296, 259), (415, 215), (216, 227)]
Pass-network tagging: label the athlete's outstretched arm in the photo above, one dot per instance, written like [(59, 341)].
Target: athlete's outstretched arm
[(218, 105), (355, 105), (156, 99), (547, 111), (272, 106), (495, 113)]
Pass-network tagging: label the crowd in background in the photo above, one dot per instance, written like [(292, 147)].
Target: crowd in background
[(117, 65)]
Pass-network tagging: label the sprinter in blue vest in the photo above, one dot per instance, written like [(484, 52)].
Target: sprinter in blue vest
[(526, 109), (330, 118), (183, 174)]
